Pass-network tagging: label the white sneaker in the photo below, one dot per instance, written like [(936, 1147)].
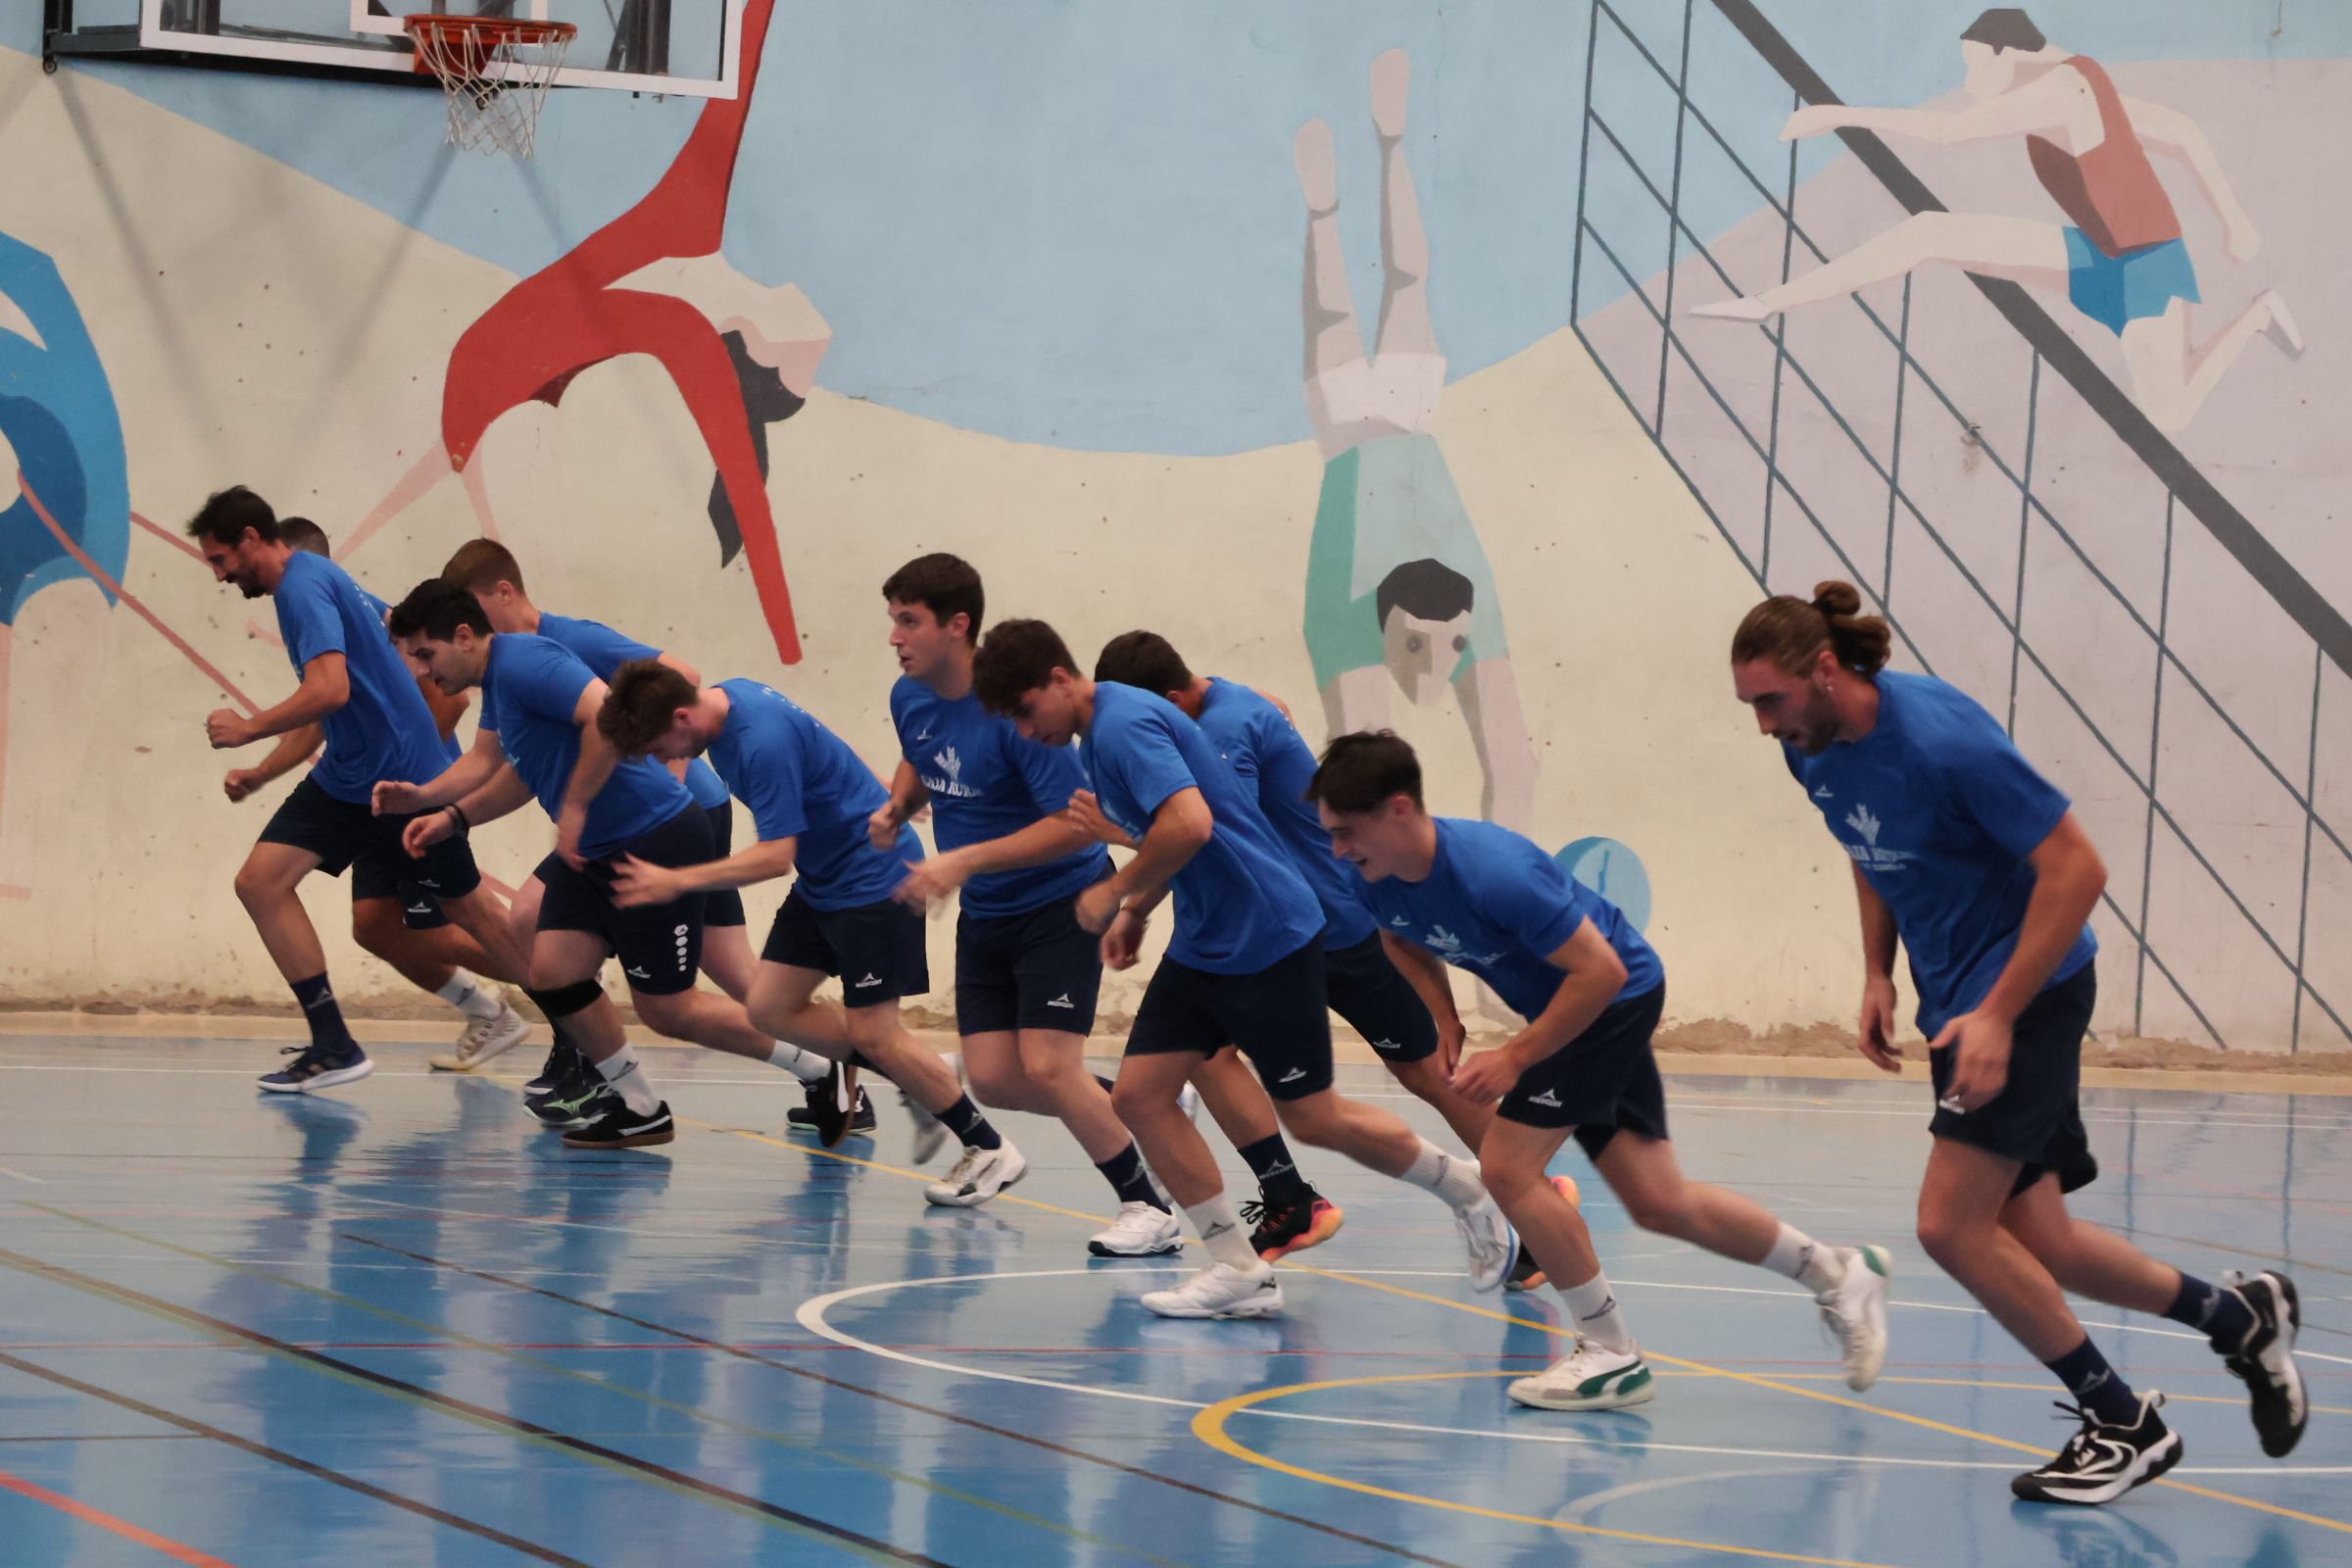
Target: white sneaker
[(930, 1133), (1139, 1231), (1220, 1291), (1490, 1242), (1189, 1102), (1854, 1310), (1591, 1377), (980, 1175), (485, 1037)]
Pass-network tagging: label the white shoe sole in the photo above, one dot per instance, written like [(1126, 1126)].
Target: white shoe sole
[(2147, 1468), (1862, 1375), (1267, 1303), (1530, 1393), (326, 1080), (498, 1045), (940, 1196), (1100, 1248)]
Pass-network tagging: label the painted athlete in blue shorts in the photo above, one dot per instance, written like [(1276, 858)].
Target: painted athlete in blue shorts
[(1244, 967), (1974, 864), (1482, 898)]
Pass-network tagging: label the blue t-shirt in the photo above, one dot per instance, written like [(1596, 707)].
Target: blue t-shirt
[(384, 731), (801, 781), (1942, 812), (530, 690), (987, 782), (1241, 905), (1275, 760), (1497, 906), (381, 608), (604, 651)]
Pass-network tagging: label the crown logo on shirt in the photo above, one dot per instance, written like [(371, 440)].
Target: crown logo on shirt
[(1862, 822)]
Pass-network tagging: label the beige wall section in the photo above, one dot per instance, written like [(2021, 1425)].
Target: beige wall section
[(260, 327)]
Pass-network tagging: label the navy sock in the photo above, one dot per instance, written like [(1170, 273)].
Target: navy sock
[(328, 1032), (964, 1121), (2098, 1387), (2216, 1311), (1124, 1171), (1269, 1160)]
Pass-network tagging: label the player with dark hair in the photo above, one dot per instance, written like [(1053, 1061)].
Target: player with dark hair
[(1976, 864), (1245, 967)]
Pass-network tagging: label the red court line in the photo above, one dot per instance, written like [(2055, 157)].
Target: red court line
[(107, 1520), (83, 558)]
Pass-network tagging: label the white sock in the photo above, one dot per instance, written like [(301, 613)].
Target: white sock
[(619, 1071), (1453, 1177), (1799, 1257), (470, 997), (806, 1066), (1593, 1308), (1221, 1233)]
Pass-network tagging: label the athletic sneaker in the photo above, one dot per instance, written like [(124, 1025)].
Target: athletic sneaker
[(1220, 1291), (619, 1127), (564, 1058), (1855, 1311), (1276, 1230), (1141, 1229), (861, 1120), (483, 1039), (930, 1133), (2265, 1361), (980, 1175), (831, 1110), (1491, 1242), (313, 1069), (575, 1101), (1591, 1377), (2102, 1462)]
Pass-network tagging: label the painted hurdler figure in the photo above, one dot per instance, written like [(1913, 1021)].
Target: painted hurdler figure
[(1245, 967), (1975, 862), (1481, 897)]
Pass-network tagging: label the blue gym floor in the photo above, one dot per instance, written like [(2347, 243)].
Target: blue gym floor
[(398, 1324)]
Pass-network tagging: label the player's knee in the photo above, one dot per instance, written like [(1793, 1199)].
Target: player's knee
[(1944, 1235), (999, 1081), (666, 1013), (257, 888), (375, 927), (1139, 1104), (1510, 1178), (1662, 1212), (1313, 1120)]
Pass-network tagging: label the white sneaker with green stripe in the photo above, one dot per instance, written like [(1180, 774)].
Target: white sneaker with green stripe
[(1854, 1310), (1591, 1377)]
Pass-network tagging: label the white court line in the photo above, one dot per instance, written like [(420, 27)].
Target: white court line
[(38, 1181), (811, 1316)]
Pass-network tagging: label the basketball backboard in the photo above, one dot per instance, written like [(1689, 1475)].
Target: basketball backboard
[(688, 47)]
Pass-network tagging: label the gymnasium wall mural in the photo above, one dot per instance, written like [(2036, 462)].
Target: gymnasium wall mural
[(1021, 285)]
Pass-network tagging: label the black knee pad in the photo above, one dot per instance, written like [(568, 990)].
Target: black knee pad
[(564, 1001)]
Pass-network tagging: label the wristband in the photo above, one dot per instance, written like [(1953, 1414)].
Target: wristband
[(465, 827)]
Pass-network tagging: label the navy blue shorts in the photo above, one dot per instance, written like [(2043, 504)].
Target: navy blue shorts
[(2036, 1119), (1279, 1016), (659, 944), (724, 906), (419, 910), (1365, 986), (1603, 1080), (1038, 969), (347, 834), (877, 949)]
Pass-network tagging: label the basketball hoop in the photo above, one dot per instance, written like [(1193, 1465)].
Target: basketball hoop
[(495, 71)]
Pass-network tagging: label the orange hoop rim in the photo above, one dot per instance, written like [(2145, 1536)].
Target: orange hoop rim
[(489, 30)]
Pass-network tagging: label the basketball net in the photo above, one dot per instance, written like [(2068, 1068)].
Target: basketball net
[(495, 71)]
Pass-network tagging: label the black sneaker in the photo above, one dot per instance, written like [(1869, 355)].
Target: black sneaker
[(2102, 1462), (1526, 1273), (575, 1101), (2266, 1360), (1276, 1230), (861, 1120), (830, 1106), (316, 1068), (563, 1060), (619, 1127)]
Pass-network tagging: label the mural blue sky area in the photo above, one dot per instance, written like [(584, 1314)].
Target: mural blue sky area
[(1078, 222)]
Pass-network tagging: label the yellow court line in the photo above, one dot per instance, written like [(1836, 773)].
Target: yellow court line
[(1209, 1427), (1700, 1368), (1990, 1383)]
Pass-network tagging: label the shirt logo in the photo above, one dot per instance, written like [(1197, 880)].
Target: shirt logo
[(1402, 921), (1862, 822), (1062, 1000), (950, 780), (920, 737), (869, 980), (1449, 947), (1868, 853), (1552, 1097), (1824, 793)]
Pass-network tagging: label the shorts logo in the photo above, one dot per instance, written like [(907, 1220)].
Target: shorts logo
[(429, 882), (635, 973), (1062, 1000), (1550, 1096), (869, 980), (681, 932), (1292, 1076), (420, 909), (1386, 1045)]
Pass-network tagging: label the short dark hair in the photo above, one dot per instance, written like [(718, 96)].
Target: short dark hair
[(227, 513), (946, 585), (1359, 771), (642, 703), (2005, 28), (436, 607), (304, 534), (1143, 659), (482, 565), (1429, 589), (1016, 659)]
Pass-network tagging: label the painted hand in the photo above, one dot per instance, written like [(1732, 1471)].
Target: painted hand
[(2239, 240), (1486, 1077), (636, 883), (1814, 119), (1877, 1030), (226, 729), (1981, 1066)]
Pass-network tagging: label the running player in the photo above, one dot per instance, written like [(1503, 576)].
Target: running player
[(377, 728), (812, 799), (1243, 969), (538, 737), (1481, 897), (396, 920), (1975, 862)]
